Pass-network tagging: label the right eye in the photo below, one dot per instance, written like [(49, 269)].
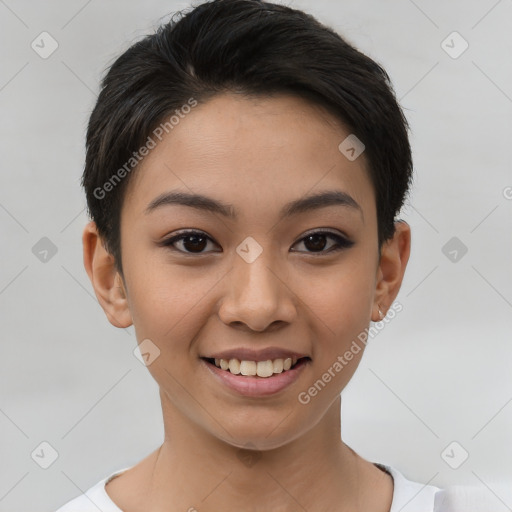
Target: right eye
[(192, 241)]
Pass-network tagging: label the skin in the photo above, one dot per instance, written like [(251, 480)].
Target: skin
[(257, 154)]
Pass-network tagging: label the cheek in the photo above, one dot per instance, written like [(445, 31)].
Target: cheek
[(170, 304), (168, 309), (164, 301), (342, 308), (342, 299)]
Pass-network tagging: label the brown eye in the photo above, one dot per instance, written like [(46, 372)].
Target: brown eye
[(316, 242)]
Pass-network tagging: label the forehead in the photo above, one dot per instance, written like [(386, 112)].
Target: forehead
[(257, 152)]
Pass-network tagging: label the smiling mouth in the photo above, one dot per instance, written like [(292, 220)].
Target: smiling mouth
[(262, 369)]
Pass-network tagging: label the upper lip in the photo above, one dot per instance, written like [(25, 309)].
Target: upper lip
[(249, 354)]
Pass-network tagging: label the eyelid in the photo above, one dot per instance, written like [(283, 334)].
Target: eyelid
[(323, 231)]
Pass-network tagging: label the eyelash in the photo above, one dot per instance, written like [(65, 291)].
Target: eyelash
[(342, 242)]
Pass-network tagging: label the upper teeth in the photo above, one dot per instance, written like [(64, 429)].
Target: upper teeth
[(259, 368)]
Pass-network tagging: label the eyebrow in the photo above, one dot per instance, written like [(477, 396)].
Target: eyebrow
[(301, 205)]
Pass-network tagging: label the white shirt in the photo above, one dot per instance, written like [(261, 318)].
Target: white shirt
[(408, 496)]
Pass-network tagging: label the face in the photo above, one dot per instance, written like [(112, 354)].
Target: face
[(242, 275)]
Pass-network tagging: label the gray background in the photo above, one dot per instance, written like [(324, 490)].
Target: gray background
[(439, 372)]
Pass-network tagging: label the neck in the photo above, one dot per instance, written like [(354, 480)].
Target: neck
[(195, 470)]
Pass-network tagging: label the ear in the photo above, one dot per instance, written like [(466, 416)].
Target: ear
[(393, 261), (106, 280)]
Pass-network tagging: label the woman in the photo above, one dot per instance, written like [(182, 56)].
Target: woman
[(245, 166)]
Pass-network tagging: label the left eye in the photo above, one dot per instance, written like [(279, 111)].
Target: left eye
[(195, 242), (316, 238)]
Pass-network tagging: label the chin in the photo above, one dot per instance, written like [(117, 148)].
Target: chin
[(264, 435)]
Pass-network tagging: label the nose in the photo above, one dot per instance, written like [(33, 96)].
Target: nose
[(257, 296)]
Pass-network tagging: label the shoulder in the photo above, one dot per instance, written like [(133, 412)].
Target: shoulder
[(410, 496), (94, 499)]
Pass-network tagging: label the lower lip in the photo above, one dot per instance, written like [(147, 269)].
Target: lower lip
[(258, 386)]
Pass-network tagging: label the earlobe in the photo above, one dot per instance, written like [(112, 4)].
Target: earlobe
[(390, 273), (106, 280)]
